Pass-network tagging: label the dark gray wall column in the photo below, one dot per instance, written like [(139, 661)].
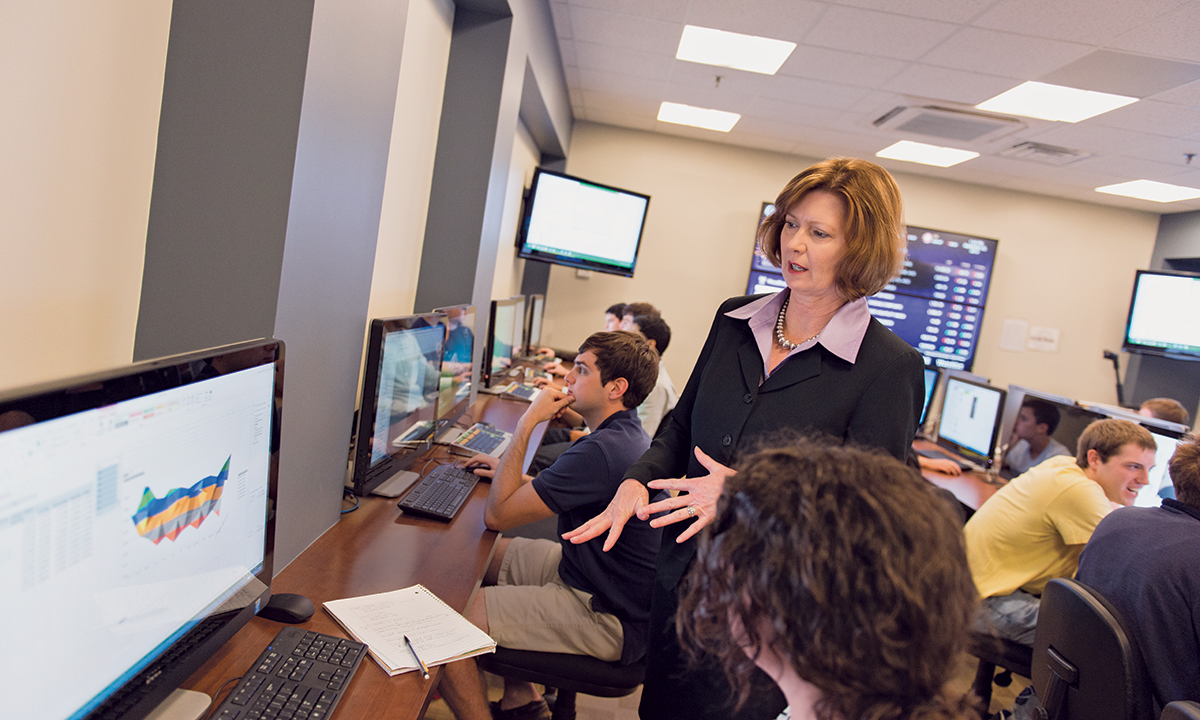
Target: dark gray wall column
[(227, 132)]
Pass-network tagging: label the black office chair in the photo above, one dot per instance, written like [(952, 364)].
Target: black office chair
[(996, 652), (1085, 666), (568, 674), (1181, 710)]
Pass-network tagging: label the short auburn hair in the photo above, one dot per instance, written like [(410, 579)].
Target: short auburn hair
[(1185, 472), (624, 354), (876, 239), (1167, 409)]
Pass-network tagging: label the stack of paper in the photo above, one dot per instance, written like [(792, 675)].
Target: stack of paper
[(438, 633)]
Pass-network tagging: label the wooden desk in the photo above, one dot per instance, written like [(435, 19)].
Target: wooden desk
[(376, 549), (971, 488)]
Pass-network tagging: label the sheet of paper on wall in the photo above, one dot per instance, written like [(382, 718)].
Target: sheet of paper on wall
[(1043, 339), (1012, 338)]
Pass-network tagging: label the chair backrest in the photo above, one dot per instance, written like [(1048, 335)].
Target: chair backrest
[(1181, 710), (1085, 666)]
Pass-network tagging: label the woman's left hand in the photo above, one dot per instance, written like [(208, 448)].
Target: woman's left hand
[(700, 500)]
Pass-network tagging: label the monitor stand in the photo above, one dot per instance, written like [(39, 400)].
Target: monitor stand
[(396, 484), (181, 705)]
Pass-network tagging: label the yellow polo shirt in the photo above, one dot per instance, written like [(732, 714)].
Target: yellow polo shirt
[(1033, 529)]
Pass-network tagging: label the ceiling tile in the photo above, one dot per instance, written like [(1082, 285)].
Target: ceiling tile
[(772, 142), (841, 67), (987, 51), (673, 10), (814, 92), (625, 31), (876, 33), (1123, 73), (1133, 168), (642, 108), (1172, 35), (1172, 150), (692, 74), (561, 15), (955, 11), (638, 63), (1152, 116), (1094, 22), (622, 119), (765, 114), (1089, 137), (1187, 95), (566, 49), (777, 19), (621, 85), (956, 86)]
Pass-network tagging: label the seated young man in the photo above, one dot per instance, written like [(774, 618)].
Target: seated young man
[(663, 397), (1146, 562), (1165, 409), (1033, 529), (558, 597), (1031, 443)]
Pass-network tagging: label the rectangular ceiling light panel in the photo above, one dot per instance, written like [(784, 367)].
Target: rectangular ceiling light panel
[(1151, 190), (910, 151), (733, 50), (1054, 102), (718, 120)]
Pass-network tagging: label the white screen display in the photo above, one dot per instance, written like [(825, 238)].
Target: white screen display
[(576, 219), (969, 415), (1159, 316), (1160, 475), (119, 526)]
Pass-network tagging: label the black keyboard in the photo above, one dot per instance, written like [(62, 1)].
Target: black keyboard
[(302, 675), (480, 438), (440, 494)]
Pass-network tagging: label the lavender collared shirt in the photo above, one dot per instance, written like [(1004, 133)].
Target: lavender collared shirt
[(843, 335)]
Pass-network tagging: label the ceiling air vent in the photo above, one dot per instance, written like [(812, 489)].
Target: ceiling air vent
[(1048, 154), (948, 123)]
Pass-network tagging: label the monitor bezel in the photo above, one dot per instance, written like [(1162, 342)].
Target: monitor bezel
[(365, 476), (158, 678), (452, 415), (524, 251), (532, 306), (954, 446), (485, 371), (1131, 346)]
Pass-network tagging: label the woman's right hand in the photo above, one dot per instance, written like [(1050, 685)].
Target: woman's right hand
[(630, 500)]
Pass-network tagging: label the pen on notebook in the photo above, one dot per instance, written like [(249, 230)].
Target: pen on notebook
[(413, 650)]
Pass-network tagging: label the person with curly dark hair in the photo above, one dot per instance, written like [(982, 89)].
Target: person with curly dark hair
[(839, 573)]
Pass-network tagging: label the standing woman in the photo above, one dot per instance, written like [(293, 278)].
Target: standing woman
[(809, 358)]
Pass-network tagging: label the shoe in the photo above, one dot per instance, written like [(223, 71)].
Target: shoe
[(536, 710)]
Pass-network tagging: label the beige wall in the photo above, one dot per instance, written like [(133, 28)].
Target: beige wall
[(80, 84), (1061, 264)]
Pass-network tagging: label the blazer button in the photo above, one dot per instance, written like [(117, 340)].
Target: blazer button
[(726, 441), (748, 398)]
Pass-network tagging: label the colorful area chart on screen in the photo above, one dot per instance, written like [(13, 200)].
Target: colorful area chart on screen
[(166, 517)]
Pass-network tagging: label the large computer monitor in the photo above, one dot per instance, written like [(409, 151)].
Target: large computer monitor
[(137, 525), (969, 422), (521, 326), (397, 410), (499, 349), (1072, 421), (1152, 326), (454, 387)]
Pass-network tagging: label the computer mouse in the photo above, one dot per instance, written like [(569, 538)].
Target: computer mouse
[(288, 608)]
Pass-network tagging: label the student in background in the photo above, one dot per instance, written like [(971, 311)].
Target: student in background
[(663, 397), (612, 321), (1146, 562), (1033, 529), (1031, 443), (633, 310), (1166, 409), (818, 571)]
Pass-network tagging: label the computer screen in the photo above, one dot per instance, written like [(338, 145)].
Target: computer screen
[(574, 222), (1160, 485), (454, 387), (137, 525), (1072, 419), (1153, 325), (398, 406), (935, 304), (537, 309), (931, 378), (500, 349), (970, 419)]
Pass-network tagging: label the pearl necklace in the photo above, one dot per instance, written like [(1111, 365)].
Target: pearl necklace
[(779, 337)]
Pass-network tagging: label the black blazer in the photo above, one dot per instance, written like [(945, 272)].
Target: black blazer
[(876, 401)]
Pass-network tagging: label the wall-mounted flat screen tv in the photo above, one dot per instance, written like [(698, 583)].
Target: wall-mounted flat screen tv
[(1160, 310), (578, 223)]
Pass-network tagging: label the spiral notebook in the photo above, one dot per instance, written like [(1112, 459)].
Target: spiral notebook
[(438, 633)]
